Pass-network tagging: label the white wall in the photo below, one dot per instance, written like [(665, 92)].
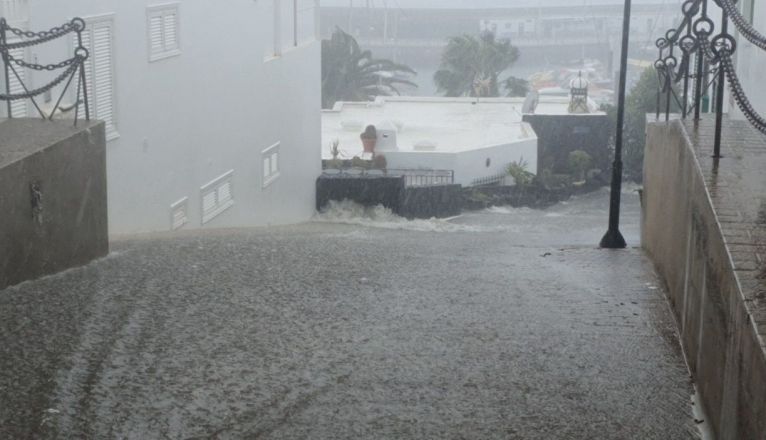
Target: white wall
[(185, 120), (472, 164), (751, 63)]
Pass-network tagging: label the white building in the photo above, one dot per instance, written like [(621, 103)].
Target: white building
[(475, 138), (751, 60), (211, 108)]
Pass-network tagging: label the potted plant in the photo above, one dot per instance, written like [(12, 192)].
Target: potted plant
[(335, 151), (369, 139)]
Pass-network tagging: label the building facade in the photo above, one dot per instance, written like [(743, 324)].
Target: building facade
[(212, 110), (751, 61)]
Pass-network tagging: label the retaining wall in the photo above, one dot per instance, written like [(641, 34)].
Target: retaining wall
[(703, 225), (66, 226)]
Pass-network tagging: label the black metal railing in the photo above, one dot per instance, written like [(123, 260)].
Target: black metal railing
[(493, 179), (710, 52), (73, 67), (412, 176)]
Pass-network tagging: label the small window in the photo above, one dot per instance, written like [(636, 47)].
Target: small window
[(270, 159), (17, 79), (217, 196), (179, 214), (163, 22)]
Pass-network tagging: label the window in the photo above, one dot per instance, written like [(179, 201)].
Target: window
[(270, 158), (18, 107), (217, 196), (179, 214), (163, 27), (99, 71)]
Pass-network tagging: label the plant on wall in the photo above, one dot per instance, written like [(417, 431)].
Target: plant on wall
[(518, 170), (579, 161)]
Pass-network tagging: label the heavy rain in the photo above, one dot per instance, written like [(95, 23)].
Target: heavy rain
[(382, 219)]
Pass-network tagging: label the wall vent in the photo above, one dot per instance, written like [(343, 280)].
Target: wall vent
[(179, 214), (216, 196)]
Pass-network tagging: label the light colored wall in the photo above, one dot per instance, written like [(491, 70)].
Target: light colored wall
[(186, 120), (470, 165), (751, 63)]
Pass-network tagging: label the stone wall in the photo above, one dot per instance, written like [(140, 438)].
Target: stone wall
[(391, 192), (559, 135), (703, 222), (432, 201), (68, 167)]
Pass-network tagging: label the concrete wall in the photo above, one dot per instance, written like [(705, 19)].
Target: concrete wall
[(69, 167), (187, 119), (559, 135), (682, 233)]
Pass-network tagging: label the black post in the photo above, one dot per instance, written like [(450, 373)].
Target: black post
[(613, 239), (719, 94), (6, 65)]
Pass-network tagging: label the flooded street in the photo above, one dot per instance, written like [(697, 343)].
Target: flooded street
[(499, 324)]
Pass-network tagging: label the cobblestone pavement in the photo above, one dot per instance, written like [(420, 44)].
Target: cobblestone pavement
[(502, 324)]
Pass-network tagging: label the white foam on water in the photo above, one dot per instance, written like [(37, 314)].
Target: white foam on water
[(508, 210), (351, 213)]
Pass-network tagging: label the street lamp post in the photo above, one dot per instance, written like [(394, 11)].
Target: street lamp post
[(613, 239)]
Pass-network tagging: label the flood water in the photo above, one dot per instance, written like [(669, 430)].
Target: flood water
[(504, 323)]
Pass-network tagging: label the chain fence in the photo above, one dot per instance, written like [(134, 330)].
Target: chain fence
[(14, 39)]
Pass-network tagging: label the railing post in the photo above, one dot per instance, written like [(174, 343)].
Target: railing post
[(719, 95), (6, 61)]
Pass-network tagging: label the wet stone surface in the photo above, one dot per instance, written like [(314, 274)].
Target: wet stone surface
[(505, 324)]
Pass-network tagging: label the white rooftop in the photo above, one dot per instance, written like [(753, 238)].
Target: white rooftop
[(434, 125)]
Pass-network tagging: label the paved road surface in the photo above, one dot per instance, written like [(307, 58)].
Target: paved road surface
[(502, 324)]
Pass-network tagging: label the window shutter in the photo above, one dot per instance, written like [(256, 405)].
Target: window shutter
[(155, 34), (171, 31), (163, 23), (99, 73), (103, 76), (18, 108)]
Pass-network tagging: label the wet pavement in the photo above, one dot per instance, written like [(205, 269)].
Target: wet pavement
[(500, 324)]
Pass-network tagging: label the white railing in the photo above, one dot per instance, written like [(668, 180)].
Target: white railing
[(14, 10)]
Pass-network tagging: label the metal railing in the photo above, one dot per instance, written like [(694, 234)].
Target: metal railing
[(490, 180), (711, 55), (14, 40), (412, 177)]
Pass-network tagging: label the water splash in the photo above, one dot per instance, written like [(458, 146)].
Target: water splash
[(352, 213)]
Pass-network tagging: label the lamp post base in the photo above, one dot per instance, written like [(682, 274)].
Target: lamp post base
[(613, 240)]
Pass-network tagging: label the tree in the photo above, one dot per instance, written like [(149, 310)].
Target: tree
[(351, 74), (516, 87), (641, 100), (470, 65)]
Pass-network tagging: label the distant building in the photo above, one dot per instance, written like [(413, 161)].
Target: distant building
[(212, 118), (477, 138)]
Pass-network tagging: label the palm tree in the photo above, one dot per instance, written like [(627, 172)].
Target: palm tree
[(471, 65), (350, 74)]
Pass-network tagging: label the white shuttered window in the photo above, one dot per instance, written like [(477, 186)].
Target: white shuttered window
[(98, 38), (19, 107), (163, 23)]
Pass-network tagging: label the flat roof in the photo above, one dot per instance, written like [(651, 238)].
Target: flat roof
[(449, 124)]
